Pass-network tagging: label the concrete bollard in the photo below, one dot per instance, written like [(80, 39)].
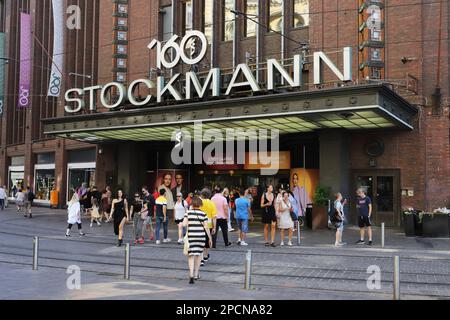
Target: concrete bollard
[(396, 278), (248, 270), (35, 253), (126, 274)]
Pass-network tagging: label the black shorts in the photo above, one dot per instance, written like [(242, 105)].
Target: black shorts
[(177, 222), (364, 222)]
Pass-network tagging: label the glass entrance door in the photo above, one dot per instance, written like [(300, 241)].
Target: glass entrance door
[(383, 187)]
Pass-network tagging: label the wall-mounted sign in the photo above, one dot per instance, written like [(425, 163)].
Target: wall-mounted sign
[(191, 49)]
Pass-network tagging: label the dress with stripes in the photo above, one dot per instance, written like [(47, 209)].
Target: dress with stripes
[(196, 232)]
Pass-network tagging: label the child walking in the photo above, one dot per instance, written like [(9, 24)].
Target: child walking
[(95, 214)]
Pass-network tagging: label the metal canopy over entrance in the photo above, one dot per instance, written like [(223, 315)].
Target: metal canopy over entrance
[(361, 107)]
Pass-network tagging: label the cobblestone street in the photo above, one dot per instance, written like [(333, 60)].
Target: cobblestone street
[(315, 270)]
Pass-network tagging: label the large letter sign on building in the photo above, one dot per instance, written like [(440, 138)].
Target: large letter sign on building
[(191, 50)]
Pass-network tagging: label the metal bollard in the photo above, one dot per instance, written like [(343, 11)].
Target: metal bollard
[(382, 234), (396, 278), (248, 270), (299, 239), (126, 274), (35, 253)]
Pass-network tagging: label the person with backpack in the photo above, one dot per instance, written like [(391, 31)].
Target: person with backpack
[(338, 220), (29, 199)]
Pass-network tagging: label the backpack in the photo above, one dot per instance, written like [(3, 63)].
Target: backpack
[(31, 196)]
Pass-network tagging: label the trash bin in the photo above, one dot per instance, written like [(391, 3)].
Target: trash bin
[(54, 199)]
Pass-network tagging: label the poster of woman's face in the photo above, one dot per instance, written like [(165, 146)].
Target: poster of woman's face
[(170, 178)]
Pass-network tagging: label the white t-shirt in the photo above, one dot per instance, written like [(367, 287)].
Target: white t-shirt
[(180, 210), (2, 194), (338, 206)]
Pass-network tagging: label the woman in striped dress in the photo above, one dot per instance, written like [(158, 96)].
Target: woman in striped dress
[(198, 233)]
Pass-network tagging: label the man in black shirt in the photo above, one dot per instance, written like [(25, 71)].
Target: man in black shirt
[(149, 201)]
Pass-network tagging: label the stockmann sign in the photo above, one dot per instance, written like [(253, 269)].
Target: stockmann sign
[(191, 49)]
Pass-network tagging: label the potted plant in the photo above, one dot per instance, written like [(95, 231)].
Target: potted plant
[(320, 208), (409, 222), (436, 224)]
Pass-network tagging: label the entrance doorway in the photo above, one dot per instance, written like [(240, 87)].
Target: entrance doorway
[(383, 187)]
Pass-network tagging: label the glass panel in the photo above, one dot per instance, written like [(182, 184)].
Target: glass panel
[(16, 182), (45, 182), (276, 15), (251, 9), (301, 13), (167, 23), (79, 178), (46, 158), (188, 16), (208, 19), (228, 32), (385, 194), (366, 183)]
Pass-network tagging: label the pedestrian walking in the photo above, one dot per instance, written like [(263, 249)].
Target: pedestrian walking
[(149, 204), (3, 197), (95, 214), (139, 213), (74, 215), (226, 194), (269, 217), (338, 220), (28, 203), (223, 213), (181, 207), (20, 201), (364, 207), (106, 203), (120, 214), (285, 219), (198, 236), (162, 218), (209, 208), (243, 215)]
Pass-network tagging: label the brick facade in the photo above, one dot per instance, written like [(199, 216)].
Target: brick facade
[(411, 31)]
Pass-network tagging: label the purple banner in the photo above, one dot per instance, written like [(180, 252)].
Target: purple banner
[(25, 60)]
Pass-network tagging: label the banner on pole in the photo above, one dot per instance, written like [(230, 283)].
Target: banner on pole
[(25, 60), (54, 88), (2, 72)]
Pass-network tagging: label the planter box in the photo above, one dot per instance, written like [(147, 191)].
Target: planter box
[(320, 217), (436, 226), (410, 225)]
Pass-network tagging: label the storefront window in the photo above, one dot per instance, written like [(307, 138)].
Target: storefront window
[(16, 182), (79, 178), (187, 8), (208, 6), (44, 184)]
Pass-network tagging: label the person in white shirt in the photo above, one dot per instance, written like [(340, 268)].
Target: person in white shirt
[(74, 215), (20, 200), (2, 197), (181, 208)]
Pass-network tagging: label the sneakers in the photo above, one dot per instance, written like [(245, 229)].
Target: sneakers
[(229, 244), (370, 243), (191, 281), (167, 240), (206, 258), (231, 230), (361, 242), (91, 225), (82, 234), (141, 241), (180, 242), (243, 243), (273, 245), (282, 244), (238, 242), (99, 224), (267, 244), (289, 244), (68, 235), (158, 242), (338, 244), (202, 264), (152, 238), (136, 242)]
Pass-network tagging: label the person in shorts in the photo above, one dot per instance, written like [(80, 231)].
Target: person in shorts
[(243, 215), (180, 209), (149, 203), (339, 219), (364, 207)]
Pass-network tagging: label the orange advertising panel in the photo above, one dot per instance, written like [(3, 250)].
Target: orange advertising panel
[(282, 162)]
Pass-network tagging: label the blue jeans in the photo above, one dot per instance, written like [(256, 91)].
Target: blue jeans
[(2, 204), (159, 221)]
